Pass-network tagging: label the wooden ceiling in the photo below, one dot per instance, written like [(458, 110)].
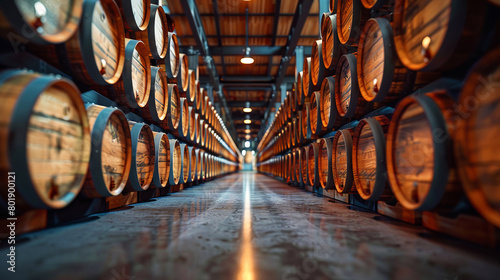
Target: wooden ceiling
[(224, 24)]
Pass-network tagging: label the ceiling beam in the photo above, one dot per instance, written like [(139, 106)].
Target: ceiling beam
[(255, 50), (217, 28), (242, 15), (242, 116), (249, 36), (277, 8)]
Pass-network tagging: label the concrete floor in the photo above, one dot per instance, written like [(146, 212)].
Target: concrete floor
[(245, 226)]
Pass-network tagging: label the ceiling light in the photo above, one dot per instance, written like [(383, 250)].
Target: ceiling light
[(248, 137), (247, 131), (247, 110), (247, 144), (247, 59), (247, 121)]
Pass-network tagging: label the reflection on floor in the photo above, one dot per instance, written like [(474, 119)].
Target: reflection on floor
[(246, 226)]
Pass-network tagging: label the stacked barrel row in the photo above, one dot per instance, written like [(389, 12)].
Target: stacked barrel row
[(437, 64), (157, 127)]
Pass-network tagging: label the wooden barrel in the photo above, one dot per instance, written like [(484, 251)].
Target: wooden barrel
[(315, 114), (173, 110), (162, 160), (304, 165), (95, 55), (157, 107), (378, 5), (307, 87), (143, 157), (183, 127), (40, 22), (420, 163), (437, 35), (381, 76), (368, 159), (348, 99), (175, 162), (330, 118), (476, 146), (198, 165), (185, 164), (293, 100), (298, 167), (330, 46), (197, 139), (351, 16), (192, 164), (199, 100), (342, 165), (136, 14), (111, 152), (44, 139), (325, 163), (192, 86), (317, 65), (202, 165), (192, 125), (202, 133), (300, 91), (312, 162), (172, 59), (183, 76), (155, 37)]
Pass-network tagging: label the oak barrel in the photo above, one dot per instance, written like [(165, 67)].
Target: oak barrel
[(143, 157), (368, 159), (315, 114), (175, 162), (420, 162), (44, 138), (162, 160), (317, 66), (330, 46), (325, 163), (111, 153), (136, 14), (192, 164), (172, 119), (330, 118), (192, 125), (333, 6), (41, 22), (342, 165), (476, 146), (185, 164), (199, 99), (172, 58), (351, 16), (192, 86), (157, 107), (312, 162), (307, 87), (304, 165), (348, 99), (300, 91), (437, 35), (378, 5), (183, 74), (155, 37), (183, 127)]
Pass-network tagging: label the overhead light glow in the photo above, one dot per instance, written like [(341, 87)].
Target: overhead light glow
[(247, 110), (247, 60), (244, 152), (248, 137), (247, 144), (247, 131), (247, 121)]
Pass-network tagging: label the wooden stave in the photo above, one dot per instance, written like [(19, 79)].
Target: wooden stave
[(330, 66), (381, 190), (95, 185), (172, 71), (134, 184), (317, 66), (394, 72), (442, 198), (160, 137), (127, 11), (183, 75), (359, 16), (312, 159), (472, 94), (458, 48), (14, 152), (328, 183), (349, 187), (358, 106), (333, 6), (175, 166), (307, 87), (12, 19), (149, 112)]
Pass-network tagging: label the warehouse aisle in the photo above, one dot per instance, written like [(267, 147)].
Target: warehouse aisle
[(245, 226)]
